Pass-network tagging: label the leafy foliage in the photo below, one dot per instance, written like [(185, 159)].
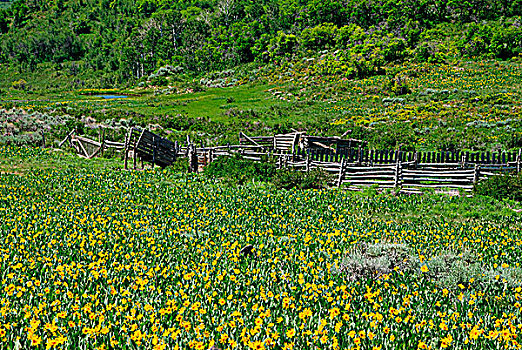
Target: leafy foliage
[(237, 170), (126, 42), (288, 179), (501, 187)]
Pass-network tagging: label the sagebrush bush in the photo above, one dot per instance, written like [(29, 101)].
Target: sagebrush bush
[(447, 269)]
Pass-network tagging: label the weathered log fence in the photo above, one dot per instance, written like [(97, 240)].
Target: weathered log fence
[(89, 148), (351, 167)]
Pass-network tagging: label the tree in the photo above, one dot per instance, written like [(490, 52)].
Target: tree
[(4, 22)]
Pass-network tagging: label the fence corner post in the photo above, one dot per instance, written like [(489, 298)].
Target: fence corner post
[(126, 151), (518, 160), (476, 174), (194, 159)]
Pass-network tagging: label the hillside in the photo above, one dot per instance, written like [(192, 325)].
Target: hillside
[(419, 74), (232, 247), (123, 41)]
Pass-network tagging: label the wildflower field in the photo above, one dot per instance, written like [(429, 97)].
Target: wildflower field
[(104, 258)]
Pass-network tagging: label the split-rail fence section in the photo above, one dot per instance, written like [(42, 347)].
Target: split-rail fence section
[(350, 165)]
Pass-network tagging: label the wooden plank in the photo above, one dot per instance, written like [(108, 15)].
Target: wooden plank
[(370, 173), (438, 185), (357, 169), (409, 179), (357, 187), (374, 182), (86, 154), (66, 138), (435, 173)]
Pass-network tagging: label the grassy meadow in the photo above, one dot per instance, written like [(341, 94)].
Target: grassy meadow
[(94, 257), (472, 105), (246, 255)]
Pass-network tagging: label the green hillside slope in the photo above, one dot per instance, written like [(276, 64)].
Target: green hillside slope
[(123, 41)]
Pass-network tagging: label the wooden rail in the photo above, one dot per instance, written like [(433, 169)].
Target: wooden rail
[(89, 148), (351, 167)]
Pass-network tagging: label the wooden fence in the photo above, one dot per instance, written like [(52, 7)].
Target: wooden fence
[(410, 172), (89, 148), (149, 147), (353, 168)]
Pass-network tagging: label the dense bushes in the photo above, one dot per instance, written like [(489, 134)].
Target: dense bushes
[(129, 41), (289, 178), (495, 40), (501, 187), (237, 170)]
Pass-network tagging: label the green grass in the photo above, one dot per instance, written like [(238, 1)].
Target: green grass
[(459, 105), (51, 159)]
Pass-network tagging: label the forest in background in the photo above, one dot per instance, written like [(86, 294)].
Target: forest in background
[(412, 74), (123, 42)]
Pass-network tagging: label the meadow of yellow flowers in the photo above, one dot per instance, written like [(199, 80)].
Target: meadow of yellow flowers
[(109, 259)]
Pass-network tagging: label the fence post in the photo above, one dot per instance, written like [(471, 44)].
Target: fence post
[(341, 173), (134, 157), (195, 159), (154, 141), (210, 155), (518, 160), (190, 158), (127, 142), (398, 169), (476, 174), (463, 161), (102, 141)]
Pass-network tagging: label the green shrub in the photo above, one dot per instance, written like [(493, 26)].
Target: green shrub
[(180, 165), (288, 178), (237, 170), (19, 84), (319, 38), (283, 45), (159, 81), (501, 187)]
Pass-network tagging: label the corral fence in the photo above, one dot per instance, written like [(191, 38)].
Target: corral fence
[(89, 148), (350, 165)]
